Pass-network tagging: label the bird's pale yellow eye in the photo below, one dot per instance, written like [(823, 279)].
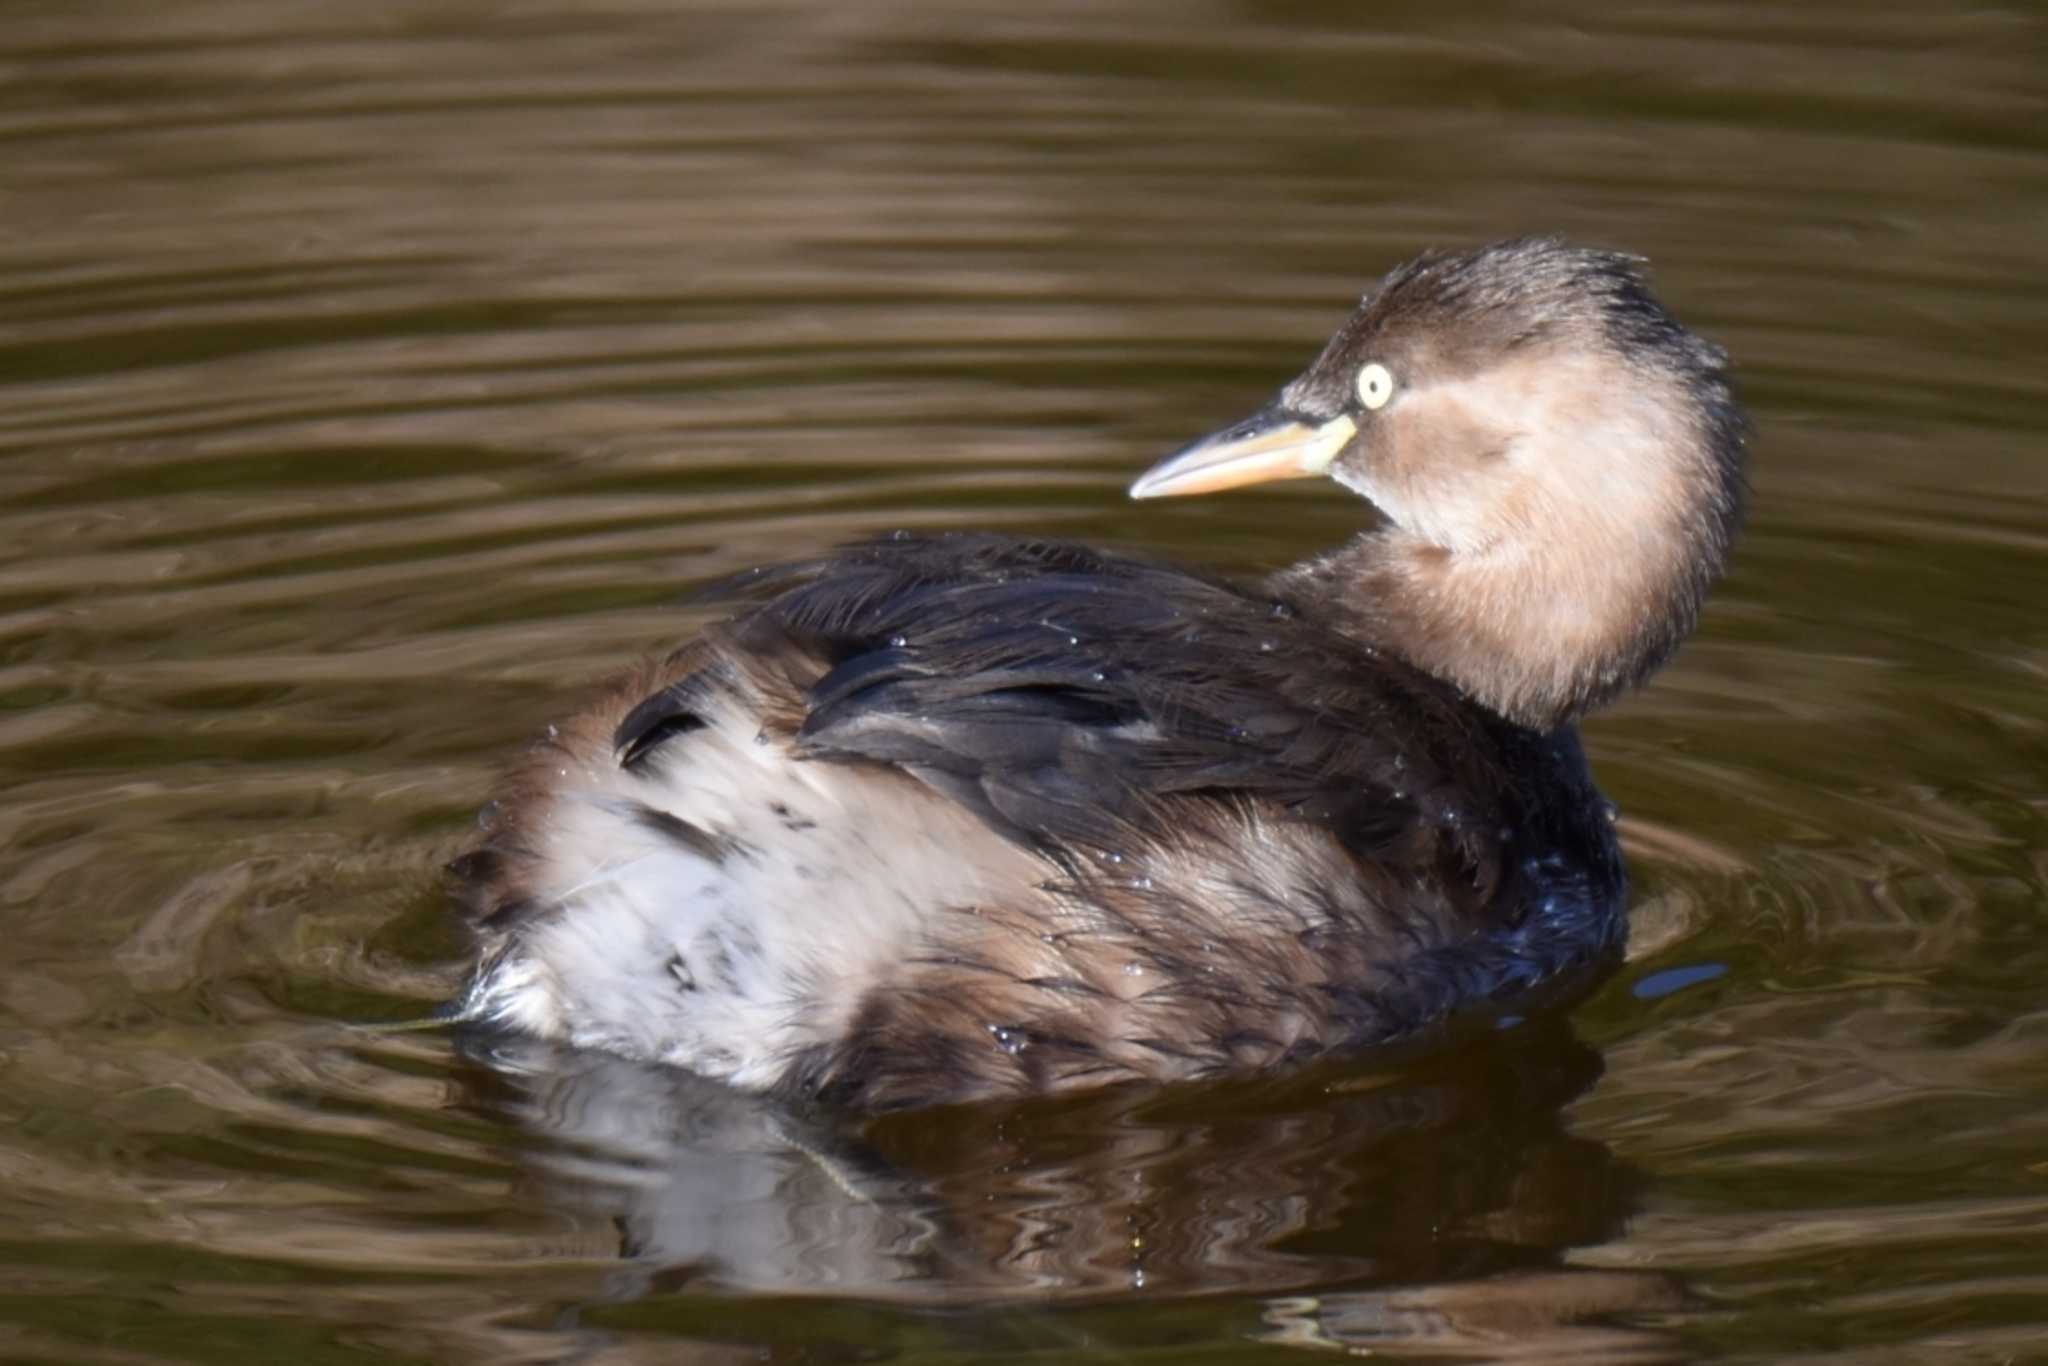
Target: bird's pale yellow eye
[(1375, 385)]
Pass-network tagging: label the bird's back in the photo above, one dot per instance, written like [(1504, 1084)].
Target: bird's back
[(940, 817)]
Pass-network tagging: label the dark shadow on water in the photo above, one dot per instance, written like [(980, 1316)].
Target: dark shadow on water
[(1368, 1207)]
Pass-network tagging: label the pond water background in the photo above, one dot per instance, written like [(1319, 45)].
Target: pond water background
[(372, 373)]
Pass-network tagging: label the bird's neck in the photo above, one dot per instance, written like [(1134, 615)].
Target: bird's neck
[(1536, 634)]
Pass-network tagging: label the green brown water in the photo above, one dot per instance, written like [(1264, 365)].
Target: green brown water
[(371, 373)]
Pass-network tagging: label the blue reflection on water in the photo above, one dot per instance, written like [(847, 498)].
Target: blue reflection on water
[(1671, 980)]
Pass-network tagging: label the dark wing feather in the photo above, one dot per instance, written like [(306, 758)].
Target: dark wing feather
[(1064, 692)]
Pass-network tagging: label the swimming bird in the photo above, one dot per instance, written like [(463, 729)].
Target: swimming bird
[(934, 818)]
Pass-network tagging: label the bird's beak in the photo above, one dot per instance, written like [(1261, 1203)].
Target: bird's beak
[(1270, 444)]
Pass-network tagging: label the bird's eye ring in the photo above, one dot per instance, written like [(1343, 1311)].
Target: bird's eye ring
[(1375, 385)]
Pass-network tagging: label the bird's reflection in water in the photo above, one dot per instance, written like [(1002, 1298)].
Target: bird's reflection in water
[(1452, 1177)]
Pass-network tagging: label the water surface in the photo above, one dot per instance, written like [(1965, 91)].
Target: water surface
[(370, 375)]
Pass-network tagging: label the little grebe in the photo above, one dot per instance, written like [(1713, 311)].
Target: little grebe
[(941, 817)]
